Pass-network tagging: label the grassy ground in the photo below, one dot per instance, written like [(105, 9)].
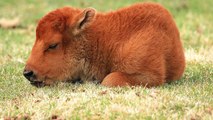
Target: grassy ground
[(189, 98)]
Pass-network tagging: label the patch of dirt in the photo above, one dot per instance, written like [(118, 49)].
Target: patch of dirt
[(55, 117)]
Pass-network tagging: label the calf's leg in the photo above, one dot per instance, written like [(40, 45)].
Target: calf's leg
[(122, 79)]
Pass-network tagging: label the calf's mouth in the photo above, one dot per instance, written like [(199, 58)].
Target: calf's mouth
[(38, 84)]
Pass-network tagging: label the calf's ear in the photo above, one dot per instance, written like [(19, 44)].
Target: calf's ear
[(84, 19)]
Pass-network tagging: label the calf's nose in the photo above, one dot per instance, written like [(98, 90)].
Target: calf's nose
[(28, 74)]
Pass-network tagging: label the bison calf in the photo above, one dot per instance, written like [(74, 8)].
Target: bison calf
[(136, 45)]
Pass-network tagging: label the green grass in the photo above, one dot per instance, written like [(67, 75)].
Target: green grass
[(189, 98)]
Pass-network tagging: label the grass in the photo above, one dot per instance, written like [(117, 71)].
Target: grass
[(189, 98)]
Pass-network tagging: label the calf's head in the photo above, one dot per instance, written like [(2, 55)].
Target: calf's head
[(57, 52)]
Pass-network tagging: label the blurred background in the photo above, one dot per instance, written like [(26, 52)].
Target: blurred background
[(193, 17)]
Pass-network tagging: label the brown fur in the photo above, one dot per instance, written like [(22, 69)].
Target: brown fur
[(136, 45)]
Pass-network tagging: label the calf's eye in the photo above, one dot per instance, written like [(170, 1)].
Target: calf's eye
[(53, 46)]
